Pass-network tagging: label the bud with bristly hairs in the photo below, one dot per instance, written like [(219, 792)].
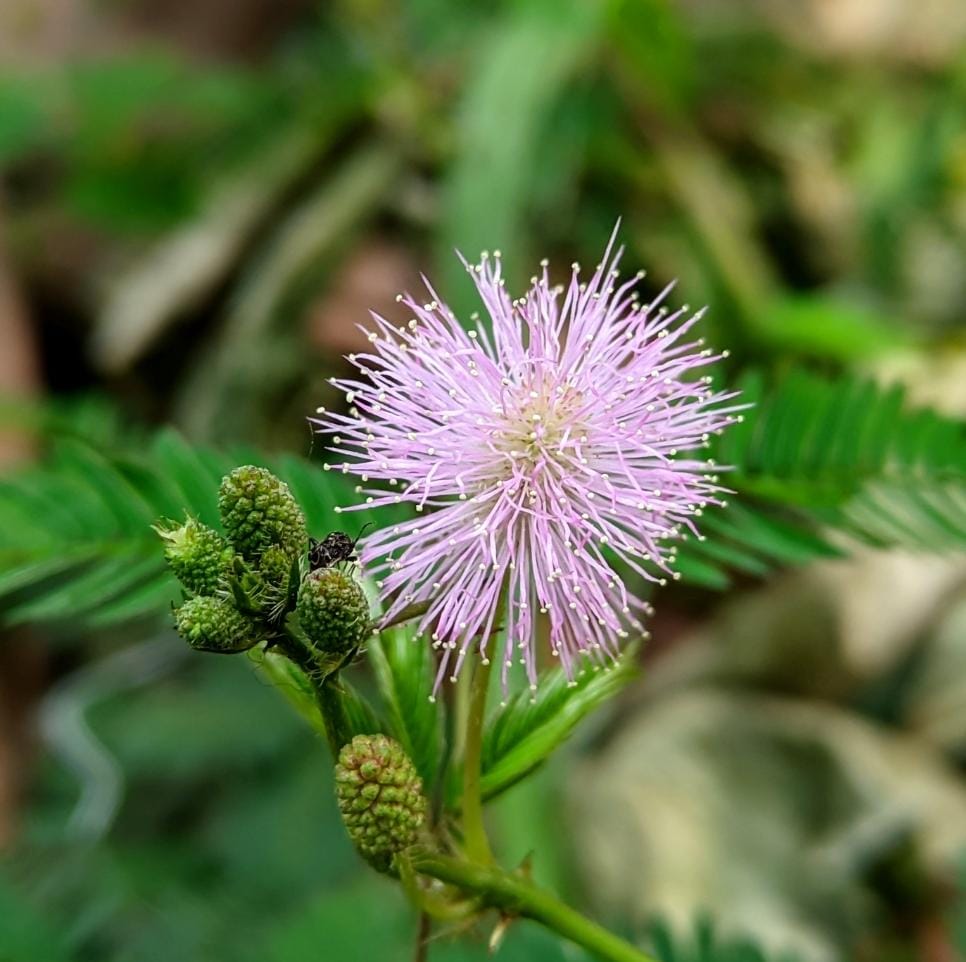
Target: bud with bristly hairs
[(381, 798), (214, 624), (333, 611), (258, 512), (200, 558)]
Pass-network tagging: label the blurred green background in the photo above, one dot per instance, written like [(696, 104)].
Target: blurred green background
[(198, 203)]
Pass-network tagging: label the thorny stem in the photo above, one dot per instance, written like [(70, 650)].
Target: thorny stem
[(474, 830), (429, 904), (516, 895)]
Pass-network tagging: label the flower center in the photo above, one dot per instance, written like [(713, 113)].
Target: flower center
[(539, 426)]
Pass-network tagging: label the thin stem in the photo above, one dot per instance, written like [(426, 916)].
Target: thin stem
[(428, 903), (518, 896), (423, 929), (474, 829), (407, 614), (328, 694)]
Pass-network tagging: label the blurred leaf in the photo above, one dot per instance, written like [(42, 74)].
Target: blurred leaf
[(817, 455), (26, 934), (189, 263), (363, 719), (293, 684), (22, 121), (816, 326), (522, 71), (656, 49), (405, 670), (231, 381), (196, 727), (706, 946), (76, 543), (334, 927)]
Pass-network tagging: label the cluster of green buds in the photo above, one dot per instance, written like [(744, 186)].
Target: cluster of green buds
[(256, 585), (253, 585)]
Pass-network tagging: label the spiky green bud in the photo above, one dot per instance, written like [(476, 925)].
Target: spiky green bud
[(214, 624), (275, 566), (258, 511), (199, 557), (380, 797), (333, 611)]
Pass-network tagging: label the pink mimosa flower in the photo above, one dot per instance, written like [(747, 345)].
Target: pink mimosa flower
[(538, 450)]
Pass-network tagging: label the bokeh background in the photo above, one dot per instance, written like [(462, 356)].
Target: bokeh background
[(198, 203)]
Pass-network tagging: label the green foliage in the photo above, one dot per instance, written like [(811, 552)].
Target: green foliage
[(782, 183), (405, 671), (819, 462), (25, 933), (525, 731), (134, 133), (76, 541), (506, 112), (817, 326), (706, 946)]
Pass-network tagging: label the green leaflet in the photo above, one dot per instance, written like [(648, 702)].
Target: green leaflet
[(704, 945), (529, 61), (532, 725), (405, 671), (814, 455), (819, 454), (75, 532)]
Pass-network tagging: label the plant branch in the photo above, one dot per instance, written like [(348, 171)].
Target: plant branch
[(516, 895), (423, 928), (328, 694), (474, 829)]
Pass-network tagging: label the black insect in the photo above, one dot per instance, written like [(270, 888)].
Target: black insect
[(333, 549)]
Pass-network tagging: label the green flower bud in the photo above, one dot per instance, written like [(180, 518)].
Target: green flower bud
[(214, 624), (258, 511), (380, 797), (198, 555), (275, 567), (333, 611)]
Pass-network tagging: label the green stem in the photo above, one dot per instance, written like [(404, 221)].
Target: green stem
[(328, 694), (430, 904), (518, 896), (423, 930), (474, 829)]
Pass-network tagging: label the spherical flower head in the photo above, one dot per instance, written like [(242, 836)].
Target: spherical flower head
[(258, 511), (200, 558), (214, 624), (538, 451), (333, 611), (380, 797)]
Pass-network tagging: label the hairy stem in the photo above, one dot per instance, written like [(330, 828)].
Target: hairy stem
[(474, 830), (516, 895), (328, 694)]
